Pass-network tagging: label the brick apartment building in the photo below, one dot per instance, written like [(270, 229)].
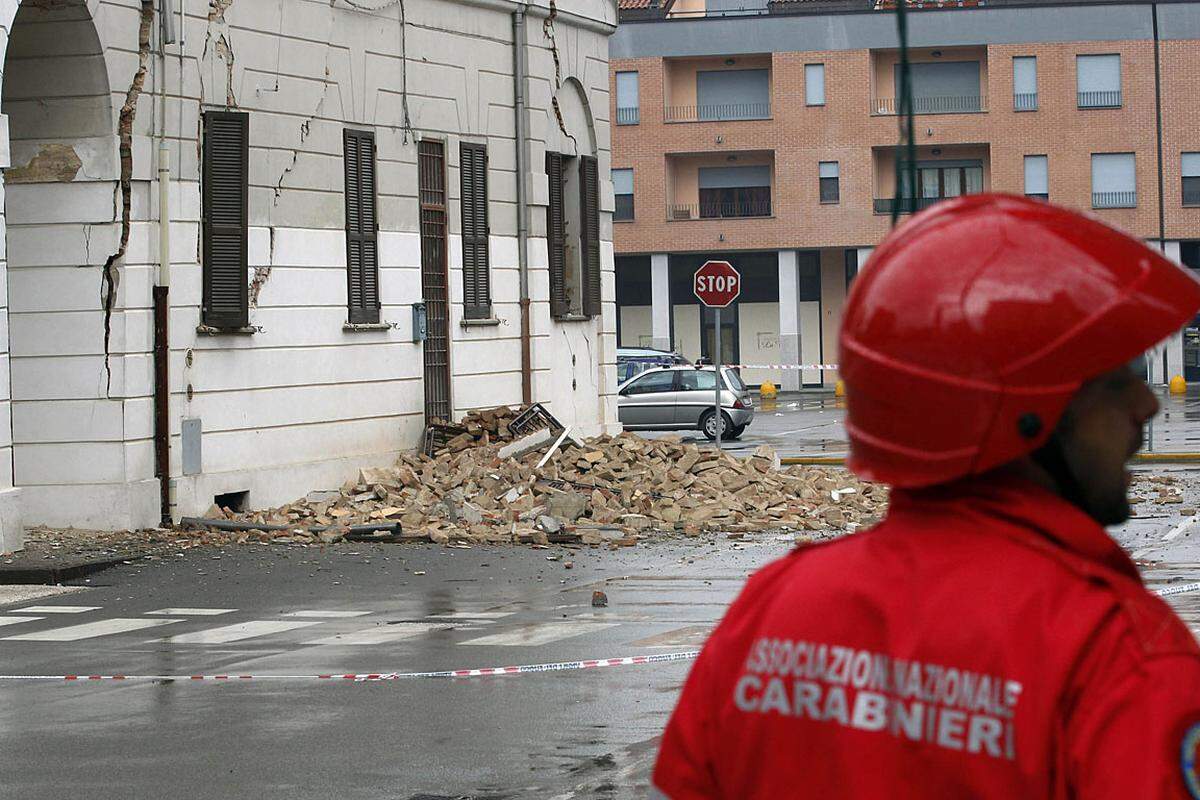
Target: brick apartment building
[(766, 135)]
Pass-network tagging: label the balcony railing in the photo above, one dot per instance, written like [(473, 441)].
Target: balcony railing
[(623, 210), (718, 113), (746, 208), (1025, 101), (1114, 199), (908, 205), (1100, 99), (629, 116), (957, 104)]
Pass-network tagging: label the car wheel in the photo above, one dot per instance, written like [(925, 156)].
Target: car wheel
[(736, 433), (709, 427)]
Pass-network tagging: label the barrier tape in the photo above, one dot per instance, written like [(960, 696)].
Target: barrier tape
[(482, 672), (781, 366), (368, 677)]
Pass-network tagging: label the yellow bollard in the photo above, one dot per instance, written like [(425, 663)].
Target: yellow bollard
[(1178, 385), (839, 389)]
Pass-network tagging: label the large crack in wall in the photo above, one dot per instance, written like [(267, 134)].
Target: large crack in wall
[(111, 275)]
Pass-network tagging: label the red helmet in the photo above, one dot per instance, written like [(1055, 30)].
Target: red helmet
[(973, 325)]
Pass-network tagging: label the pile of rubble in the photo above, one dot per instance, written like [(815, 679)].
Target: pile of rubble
[(611, 489)]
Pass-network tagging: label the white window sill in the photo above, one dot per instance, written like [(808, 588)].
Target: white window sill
[(350, 327), (489, 322), (208, 330)]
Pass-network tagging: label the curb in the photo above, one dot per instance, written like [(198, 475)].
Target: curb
[(13, 574)]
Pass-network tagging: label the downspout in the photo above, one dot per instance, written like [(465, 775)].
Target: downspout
[(520, 69), (1162, 237), (162, 350)]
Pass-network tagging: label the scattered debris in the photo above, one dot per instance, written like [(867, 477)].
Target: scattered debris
[(599, 599), (615, 490)]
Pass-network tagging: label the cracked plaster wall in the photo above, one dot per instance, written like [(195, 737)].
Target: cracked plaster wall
[(302, 403)]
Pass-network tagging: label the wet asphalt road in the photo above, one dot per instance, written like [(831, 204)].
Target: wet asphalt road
[(553, 735)]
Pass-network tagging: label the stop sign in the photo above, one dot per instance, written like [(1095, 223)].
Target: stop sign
[(717, 284)]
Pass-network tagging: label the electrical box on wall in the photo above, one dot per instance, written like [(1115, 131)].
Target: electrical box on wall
[(420, 322)]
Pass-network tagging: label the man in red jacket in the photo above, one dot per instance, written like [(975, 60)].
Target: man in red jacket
[(988, 639)]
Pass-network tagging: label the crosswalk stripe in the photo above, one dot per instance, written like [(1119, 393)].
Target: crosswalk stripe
[(89, 630), (15, 620), (540, 633), (192, 612), (381, 634), (237, 632), (474, 615), (57, 609), (326, 614)]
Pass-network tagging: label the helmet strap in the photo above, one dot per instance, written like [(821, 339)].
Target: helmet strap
[(1052, 458)]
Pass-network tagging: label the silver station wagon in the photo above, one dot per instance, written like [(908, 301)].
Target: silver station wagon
[(682, 398)]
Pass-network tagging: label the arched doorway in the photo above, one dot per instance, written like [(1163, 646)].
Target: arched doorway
[(71, 407)]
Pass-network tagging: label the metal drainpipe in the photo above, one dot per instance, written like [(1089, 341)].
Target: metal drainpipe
[(161, 294), (520, 68), (1162, 237)]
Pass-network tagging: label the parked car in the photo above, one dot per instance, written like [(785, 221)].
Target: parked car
[(681, 398), (632, 360)]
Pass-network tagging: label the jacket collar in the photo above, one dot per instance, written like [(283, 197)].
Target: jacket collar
[(1025, 508)]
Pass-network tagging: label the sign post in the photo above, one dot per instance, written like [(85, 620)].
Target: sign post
[(716, 285)]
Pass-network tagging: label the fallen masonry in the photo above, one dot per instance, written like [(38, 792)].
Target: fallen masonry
[(611, 490)]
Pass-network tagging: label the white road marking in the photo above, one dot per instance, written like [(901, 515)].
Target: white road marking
[(326, 614), (15, 620), (381, 634), (540, 633), (236, 633), (474, 615), (1175, 532), (192, 612), (90, 630), (57, 609)]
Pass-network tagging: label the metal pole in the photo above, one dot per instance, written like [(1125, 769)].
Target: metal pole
[(717, 374)]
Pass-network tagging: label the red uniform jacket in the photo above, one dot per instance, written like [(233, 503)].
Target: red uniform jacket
[(986, 640)]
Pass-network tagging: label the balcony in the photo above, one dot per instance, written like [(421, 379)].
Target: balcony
[(1025, 101), (907, 205), (1099, 99), (720, 209), (723, 112), (1114, 199), (629, 116), (948, 104)]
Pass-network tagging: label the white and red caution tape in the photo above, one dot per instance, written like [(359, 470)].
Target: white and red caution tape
[(364, 677), (481, 672)]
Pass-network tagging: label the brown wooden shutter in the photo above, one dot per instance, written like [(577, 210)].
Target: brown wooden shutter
[(362, 228), (589, 230), (224, 201), (477, 299), (556, 236)]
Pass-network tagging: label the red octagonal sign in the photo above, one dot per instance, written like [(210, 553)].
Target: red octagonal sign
[(717, 284)]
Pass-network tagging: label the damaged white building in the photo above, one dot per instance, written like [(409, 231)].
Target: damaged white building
[(381, 212)]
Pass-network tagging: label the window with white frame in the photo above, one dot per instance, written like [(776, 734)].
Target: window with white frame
[(623, 194), (1025, 93), (628, 112), (1098, 79), (1191, 179), (1114, 180), (1037, 177), (814, 84), (828, 175)]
